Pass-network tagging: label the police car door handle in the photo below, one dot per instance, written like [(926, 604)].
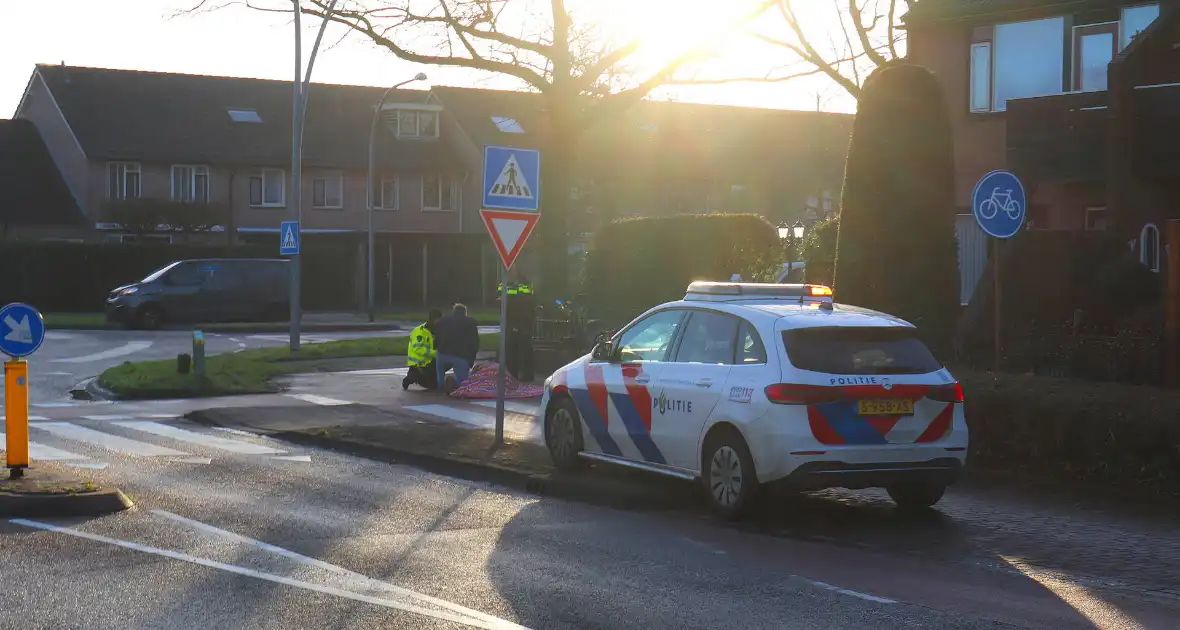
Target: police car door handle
[(643, 379), (704, 382)]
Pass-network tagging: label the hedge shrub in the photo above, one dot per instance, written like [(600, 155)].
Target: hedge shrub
[(1072, 430), (819, 251), (896, 249), (636, 263)]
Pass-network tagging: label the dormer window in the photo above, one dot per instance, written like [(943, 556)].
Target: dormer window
[(244, 115), (412, 123), (507, 125)]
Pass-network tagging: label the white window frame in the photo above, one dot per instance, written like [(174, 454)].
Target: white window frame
[(983, 48), (1000, 107), (336, 176), (262, 175), (417, 132), (1123, 36), (382, 201), (444, 184), (1149, 229), (1075, 47), (123, 193), (195, 171)]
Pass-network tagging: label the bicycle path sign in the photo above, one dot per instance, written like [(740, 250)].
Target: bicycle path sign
[(999, 204)]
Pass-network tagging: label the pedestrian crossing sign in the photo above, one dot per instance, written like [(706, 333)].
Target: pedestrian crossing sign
[(289, 238), (511, 178)]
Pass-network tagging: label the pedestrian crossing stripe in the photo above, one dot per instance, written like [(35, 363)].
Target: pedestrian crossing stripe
[(511, 182)]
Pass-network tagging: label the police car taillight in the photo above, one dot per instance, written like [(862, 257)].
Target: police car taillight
[(952, 393), (794, 394)]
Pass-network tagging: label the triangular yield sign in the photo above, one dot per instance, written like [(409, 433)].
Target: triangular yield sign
[(509, 231)]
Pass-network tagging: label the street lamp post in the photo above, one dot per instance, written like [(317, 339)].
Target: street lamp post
[(421, 76)]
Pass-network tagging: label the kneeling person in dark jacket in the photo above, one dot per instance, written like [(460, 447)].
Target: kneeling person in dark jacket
[(457, 340)]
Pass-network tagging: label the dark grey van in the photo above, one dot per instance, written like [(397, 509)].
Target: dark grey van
[(205, 290)]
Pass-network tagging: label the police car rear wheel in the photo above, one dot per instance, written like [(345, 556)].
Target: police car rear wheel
[(916, 496), (728, 475), (563, 436)]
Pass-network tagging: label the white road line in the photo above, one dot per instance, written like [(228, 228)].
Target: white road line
[(108, 417), (202, 439), (57, 373), (192, 460), (159, 416), (379, 372), (47, 453), (106, 440), (320, 400), (89, 465), (844, 591), (31, 418), (492, 623), (295, 458), (53, 405), (320, 564), (513, 406), (235, 431), (473, 418), (131, 347)]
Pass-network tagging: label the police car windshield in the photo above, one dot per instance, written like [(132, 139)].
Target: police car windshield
[(859, 350)]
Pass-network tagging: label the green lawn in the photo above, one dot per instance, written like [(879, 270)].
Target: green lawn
[(485, 316), (77, 320), (247, 372)]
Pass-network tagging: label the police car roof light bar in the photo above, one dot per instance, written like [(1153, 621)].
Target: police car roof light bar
[(724, 291)]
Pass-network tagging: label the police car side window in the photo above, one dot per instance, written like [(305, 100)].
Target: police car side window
[(650, 339), (750, 348), (709, 338)]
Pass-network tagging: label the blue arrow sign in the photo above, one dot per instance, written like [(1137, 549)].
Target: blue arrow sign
[(22, 329), (511, 178), (999, 204), (289, 238)]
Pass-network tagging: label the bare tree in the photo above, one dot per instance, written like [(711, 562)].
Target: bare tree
[(584, 77), (850, 39)]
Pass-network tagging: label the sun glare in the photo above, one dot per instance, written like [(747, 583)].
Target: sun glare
[(669, 29)]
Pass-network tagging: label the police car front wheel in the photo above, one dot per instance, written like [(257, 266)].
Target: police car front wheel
[(563, 435), (728, 474)]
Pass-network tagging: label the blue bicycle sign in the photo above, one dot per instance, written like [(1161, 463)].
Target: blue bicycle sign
[(999, 203)]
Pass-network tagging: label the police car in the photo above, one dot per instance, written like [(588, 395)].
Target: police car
[(746, 387)]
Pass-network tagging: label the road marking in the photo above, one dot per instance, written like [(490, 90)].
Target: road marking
[(131, 347), (474, 618), (378, 372), (513, 406), (473, 418), (48, 453), (89, 465), (844, 591), (108, 417), (57, 373), (235, 431), (202, 439), (192, 460), (31, 418), (53, 405), (321, 400), (159, 416), (295, 458), (106, 440), (489, 620)]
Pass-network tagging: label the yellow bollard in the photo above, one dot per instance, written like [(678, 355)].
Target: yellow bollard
[(16, 415)]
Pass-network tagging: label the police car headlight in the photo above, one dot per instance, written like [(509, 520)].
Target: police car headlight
[(128, 291)]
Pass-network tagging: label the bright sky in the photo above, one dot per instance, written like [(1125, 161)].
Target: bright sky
[(238, 41)]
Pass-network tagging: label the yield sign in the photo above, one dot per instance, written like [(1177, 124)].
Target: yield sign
[(509, 230)]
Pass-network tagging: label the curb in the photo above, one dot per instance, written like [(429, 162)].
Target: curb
[(260, 328), (18, 505), (590, 488), (89, 389)]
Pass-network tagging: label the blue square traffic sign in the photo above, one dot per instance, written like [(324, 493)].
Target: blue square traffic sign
[(289, 238), (512, 178)]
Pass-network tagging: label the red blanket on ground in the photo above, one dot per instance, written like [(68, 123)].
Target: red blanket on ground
[(482, 384)]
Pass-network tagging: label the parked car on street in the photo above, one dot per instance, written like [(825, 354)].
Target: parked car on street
[(744, 386), (204, 290)]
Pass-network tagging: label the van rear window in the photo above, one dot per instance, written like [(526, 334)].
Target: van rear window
[(859, 350)]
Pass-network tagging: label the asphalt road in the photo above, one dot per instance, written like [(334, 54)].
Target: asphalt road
[(70, 356)]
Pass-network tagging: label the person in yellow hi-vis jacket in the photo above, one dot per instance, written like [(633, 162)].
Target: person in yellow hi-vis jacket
[(421, 353)]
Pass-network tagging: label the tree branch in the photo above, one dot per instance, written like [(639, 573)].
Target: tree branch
[(862, 32), (892, 26), (808, 52)]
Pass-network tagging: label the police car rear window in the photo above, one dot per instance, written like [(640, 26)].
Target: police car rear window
[(859, 350)]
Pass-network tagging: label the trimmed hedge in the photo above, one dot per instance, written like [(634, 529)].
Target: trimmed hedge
[(1046, 428), (896, 249), (819, 251), (636, 263)]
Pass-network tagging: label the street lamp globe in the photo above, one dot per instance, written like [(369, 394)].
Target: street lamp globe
[(421, 76), (783, 231), (797, 230)]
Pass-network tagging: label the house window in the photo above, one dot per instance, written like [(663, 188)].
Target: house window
[(1135, 19), (387, 196), (190, 183), (1149, 247), (267, 187), (244, 116), (436, 192), (417, 124), (1095, 219), (123, 180), (507, 125), (981, 80), (328, 191), (1028, 60), (1093, 49)]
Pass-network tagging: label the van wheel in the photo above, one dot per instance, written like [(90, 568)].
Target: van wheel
[(916, 495), (275, 313), (150, 317), (563, 435), (727, 474)]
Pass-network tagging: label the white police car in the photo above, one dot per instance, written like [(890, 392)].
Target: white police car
[(744, 386)]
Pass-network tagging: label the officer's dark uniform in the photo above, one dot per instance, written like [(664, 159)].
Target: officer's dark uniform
[(519, 342)]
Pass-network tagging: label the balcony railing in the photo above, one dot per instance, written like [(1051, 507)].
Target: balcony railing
[(1058, 137)]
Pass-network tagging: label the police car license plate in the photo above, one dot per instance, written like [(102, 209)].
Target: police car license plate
[(885, 407)]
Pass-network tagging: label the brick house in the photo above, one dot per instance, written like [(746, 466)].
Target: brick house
[(1078, 97), (117, 134)]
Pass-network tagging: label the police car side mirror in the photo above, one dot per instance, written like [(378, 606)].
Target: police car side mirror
[(603, 351)]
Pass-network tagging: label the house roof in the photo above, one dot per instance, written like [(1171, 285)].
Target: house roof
[(688, 138), (150, 116), (937, 10), (32, 191)]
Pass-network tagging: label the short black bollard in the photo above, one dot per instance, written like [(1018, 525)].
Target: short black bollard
[(183, 363)]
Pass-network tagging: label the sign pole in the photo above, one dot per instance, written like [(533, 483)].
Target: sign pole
[(996, 290), (1172, 306), (502, 372)]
